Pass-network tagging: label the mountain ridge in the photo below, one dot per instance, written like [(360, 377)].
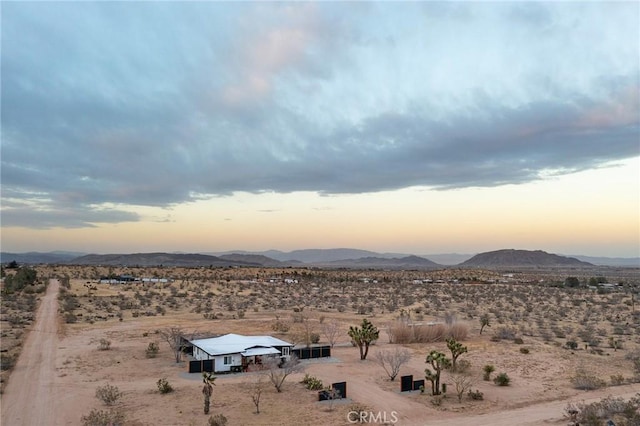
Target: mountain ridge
[(341, 257)]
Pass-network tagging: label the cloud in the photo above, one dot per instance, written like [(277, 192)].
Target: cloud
[(153, 104)]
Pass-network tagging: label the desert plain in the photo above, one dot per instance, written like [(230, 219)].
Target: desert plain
[(70, 334)]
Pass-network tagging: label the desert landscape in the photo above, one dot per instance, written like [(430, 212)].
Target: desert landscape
[(558, 346)]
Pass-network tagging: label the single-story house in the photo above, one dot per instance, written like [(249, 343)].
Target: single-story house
[(234, 352)]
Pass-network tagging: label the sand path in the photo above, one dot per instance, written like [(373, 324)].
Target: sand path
[(29, 398)]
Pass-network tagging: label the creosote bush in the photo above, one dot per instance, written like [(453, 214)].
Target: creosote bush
[(586, 381), (152, 350), (164, 386), (217, 420), (103, 418), (108, 394)]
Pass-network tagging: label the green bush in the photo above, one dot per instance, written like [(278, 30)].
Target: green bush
[(312, 383), (488, 369), (502, 379)]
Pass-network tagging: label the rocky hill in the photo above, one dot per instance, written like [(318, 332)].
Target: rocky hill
[(511, 257)]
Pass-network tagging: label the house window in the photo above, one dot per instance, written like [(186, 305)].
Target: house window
[(227, 360), (285, 350)]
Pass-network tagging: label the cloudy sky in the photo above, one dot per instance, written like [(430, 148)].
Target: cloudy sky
[(414, 127)]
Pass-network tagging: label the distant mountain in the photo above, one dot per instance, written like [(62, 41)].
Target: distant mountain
[(157, 259), (511, 257), (631, 262), (35, 257), (318, 255), (256, 259), (448, 258), (408, 262)]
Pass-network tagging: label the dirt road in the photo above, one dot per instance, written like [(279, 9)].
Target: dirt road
[(29, 396), (536, 414)]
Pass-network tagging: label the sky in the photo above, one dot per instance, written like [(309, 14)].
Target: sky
[(418, 127)]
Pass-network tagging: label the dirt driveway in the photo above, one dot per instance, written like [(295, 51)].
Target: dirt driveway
[(29, 396)]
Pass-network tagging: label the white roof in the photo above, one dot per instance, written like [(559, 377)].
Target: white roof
[(235, 343), (260, 351)]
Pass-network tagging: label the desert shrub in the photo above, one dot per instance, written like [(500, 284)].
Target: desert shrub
[(152, 350), (502, 379), (311, 382), (617, 379), (164, 386), (217, 420), (524, 350), (280, 326), (458, 331), (503, 333), (401, 332), (476, 395), (571, 344), (488, 369), (7, 362), (462, 366), (103, 418), (104, 345), (108, 394), (585, 381), (518, 341), (357, 413), (617, 410), (314, 338)]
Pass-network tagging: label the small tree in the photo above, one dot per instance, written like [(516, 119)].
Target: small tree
[(438, 362), (484, 322), (456, 349), (207, 390), (462, 383), (278, 372), (256, 388), (392, 360), (330, 331), (364, 336), (173, 336)]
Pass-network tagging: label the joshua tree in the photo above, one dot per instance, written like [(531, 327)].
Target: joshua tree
[(209, 382), (438, 362), (488, 369), (484, 322), (456, 349), (363, 336)]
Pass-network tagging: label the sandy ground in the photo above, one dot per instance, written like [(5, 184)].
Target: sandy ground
[(59, 369), (29, 397)]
